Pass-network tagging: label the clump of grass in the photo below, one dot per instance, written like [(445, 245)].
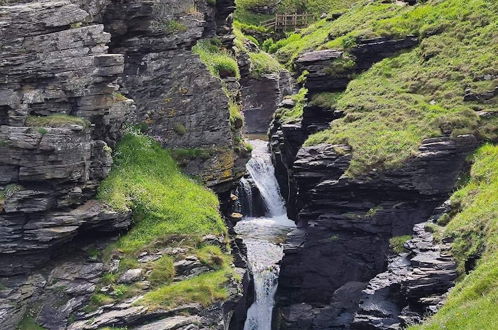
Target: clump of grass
[(57, 120), (146, 179), (97, 300), (471, 304), (236, 117), (180, 129), (219, 62), (326, 100), (182, 155), (28, 322), (263, 63), (163, 271), (213, 256), (296, 113), (397, 243), (205, 289)]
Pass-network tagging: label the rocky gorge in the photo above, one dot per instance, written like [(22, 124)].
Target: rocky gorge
[(129, 198)]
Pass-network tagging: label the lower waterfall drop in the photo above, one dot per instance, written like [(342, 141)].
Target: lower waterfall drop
[(263, 236)]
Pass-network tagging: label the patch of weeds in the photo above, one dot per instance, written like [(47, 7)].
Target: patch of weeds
[(163, 271), (28, 322), (220, 62), (326, 100), (58, 120), (296, 113), (397, 243), (213, 257)]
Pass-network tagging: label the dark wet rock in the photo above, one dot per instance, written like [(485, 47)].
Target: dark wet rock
[(413, 286), (345, 223), (261, 97)]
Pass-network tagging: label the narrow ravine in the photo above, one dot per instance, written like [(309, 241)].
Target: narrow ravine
[(263, 235)]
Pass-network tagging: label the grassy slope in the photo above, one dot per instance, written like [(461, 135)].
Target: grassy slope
[(169, 209), (418, 94), (145, 179), (472, 303)]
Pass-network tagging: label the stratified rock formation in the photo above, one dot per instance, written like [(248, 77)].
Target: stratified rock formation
[(414, 285), (346, 222), (74, 76), (58, 113)]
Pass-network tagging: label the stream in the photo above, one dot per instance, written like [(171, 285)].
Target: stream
[(263, 235)]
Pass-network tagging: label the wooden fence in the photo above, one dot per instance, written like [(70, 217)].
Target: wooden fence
[(283, 22)]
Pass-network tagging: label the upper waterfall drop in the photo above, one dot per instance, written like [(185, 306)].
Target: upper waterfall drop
[(261, 170), (262, 235)]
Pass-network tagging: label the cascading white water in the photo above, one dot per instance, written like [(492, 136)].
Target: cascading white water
[(261, 236)]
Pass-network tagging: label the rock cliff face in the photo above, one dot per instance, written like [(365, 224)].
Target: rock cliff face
[(58, 116), (178, 101), (325, 71), (346, 224), (65, 68)]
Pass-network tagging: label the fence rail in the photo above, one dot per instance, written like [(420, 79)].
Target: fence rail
[(286, 21)]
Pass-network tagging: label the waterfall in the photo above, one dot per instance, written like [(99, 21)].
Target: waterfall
[(261, 170), (262, 236)]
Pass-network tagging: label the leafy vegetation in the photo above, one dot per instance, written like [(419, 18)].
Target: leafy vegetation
[(326, 100), (205, 289), (474, 229), (163, 272), (57, 120), (29, 323), (418, 94)]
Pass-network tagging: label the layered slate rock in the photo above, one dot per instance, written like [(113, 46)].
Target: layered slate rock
[(414, 285), (326, 71), (179, 102), (50, 66), (261, 97), (345, 223)]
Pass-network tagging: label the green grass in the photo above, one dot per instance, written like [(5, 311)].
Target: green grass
[(28, 323), (58, 120), (205, 289), (264, 63), (213, 257), (163, 271), (472, 303), (418, 94), (396, 243), (296, 113), (220, 63), (146, 179), (326, 100), (356, 21)]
